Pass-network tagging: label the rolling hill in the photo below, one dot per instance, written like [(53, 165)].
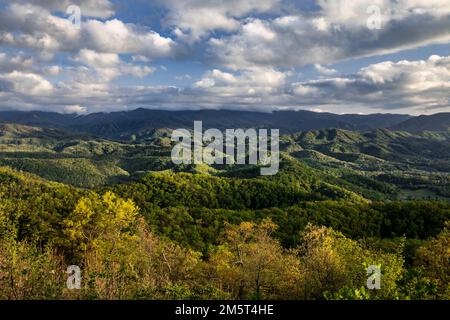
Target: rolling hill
[(126, 125), (375, 164)]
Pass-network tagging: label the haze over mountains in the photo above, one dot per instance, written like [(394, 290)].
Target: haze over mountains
[(121, 125)]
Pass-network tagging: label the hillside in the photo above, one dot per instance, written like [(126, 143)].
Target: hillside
[(374, 164), (172, 231), (410, 165), (127, 125), (167, 231), (435, 122)]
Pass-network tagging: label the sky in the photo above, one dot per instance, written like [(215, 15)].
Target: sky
[(340, 56)]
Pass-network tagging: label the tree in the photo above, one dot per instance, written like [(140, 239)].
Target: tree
[(99, 219), (250, 263), (26, 272), (334, 266), (434, 258)]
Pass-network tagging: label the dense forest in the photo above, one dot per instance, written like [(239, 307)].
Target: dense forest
[(141, 228)]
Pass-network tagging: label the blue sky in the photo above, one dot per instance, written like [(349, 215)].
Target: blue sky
[(342, 56)]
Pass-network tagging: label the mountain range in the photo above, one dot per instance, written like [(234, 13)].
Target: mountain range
[(121, 125), (435, 122), (142, 122)]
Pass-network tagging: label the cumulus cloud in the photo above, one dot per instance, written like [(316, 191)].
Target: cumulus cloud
[(90, 8), (408, 86), (252, 50), (52, 70), (419, 86), (9, 63), (34, 27), (117, 37), (355, 12), (107, 66), (253, 82), (194, 19), (26, 83), (338, 31), (324, 70)]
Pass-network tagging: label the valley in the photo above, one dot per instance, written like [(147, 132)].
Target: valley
[(357, 197)]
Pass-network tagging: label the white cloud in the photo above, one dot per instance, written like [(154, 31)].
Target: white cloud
[(336, 32), (194, 19), (75, 108), (30, 26), (52, 70), (324, 70), (114, 36), (139, 58), (29, 84), (254, 83), (250, 45), (355, 12), (108, 66), (19, 61), (422, 85), (90, 8)]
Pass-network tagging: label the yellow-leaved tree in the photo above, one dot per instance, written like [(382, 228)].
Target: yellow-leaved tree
[(99, 218), (434, 259), (102, 235), (119, 257), (253, 264)]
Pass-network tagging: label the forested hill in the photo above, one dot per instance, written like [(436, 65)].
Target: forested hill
[(123, 125), (127, 125), (435, 122), (141, 227), (375, 164), (174, 235)]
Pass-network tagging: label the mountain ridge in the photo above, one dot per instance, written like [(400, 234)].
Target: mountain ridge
[(123, 124), (127, 125), (434, 122)]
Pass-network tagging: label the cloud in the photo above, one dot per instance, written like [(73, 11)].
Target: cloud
[(194, 19), (27, 84), (356, 12), (253, 85), (338, 31), (89, 8), (324, 70), (251, 48), (75, 108), (52, 70), (9, 63), (117, 37), (107, 66), (406, 86), (418, 86), (34, 27)]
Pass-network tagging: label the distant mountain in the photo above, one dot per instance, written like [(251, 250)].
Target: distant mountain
[(124, 125), (378, 145), (16, 131), (375, 163), (435, 122)]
